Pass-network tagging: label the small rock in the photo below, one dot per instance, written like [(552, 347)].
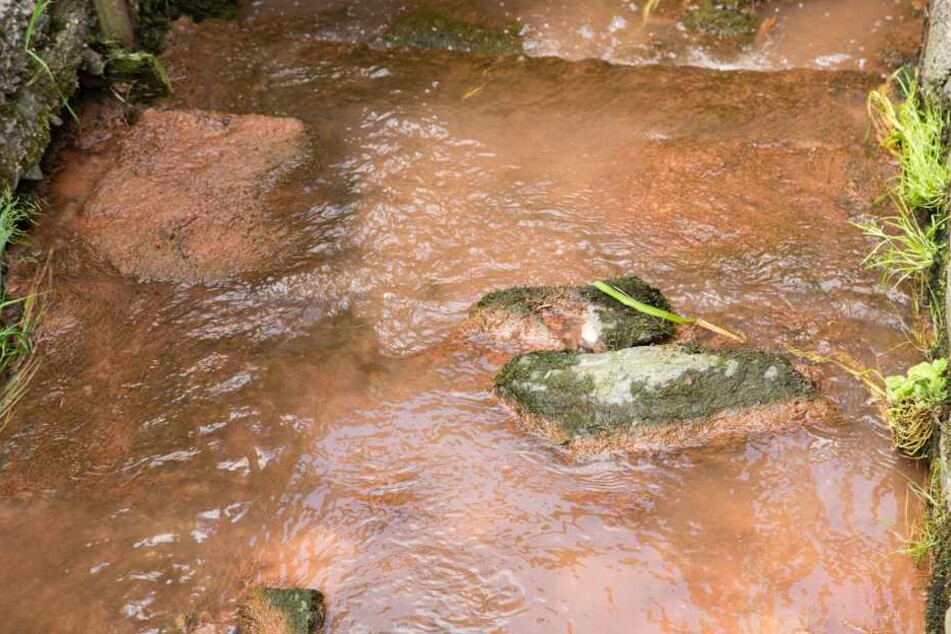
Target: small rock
[(568, 318), (658, 397), (432, 28), (282, 611)]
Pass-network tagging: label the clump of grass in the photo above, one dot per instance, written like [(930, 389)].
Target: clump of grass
[(15, 213), (905, 250), (18, 317), (926, 532), (913, 132), (910, 244), (911, 403)]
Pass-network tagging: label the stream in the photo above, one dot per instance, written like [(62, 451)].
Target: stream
[(313, 422)]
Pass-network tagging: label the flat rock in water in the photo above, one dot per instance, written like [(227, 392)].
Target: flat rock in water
[(185, 201), (568, 318), (654, 397), (282, 611)]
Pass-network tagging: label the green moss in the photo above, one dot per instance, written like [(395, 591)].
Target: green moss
[(722, 21), (701, 393), (303, 609), (519, 300), (643, 387), (939, 588), (573, 398), (624, 327), (938, 519), (429, 28), (621, 326), (136, 75)]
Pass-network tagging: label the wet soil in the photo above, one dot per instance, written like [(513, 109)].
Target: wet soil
[(310, 422)]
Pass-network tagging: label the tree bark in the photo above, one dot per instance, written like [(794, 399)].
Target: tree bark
[(115, 21)]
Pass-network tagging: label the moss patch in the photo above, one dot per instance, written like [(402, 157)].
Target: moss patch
[(727, 21), (939, 518), (569, 308), (429, 28), (136, 75), (564, 393), (282, 610), (640, 388)]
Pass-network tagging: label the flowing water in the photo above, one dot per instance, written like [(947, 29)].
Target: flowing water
[(315, 423)]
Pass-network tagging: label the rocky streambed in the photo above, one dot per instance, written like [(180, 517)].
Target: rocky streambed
[(266, 364)]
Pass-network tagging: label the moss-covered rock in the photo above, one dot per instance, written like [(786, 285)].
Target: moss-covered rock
[(136, 75), (568, 317), (153, 16), (430, 28), (721, 21), (282, 610), (35, 86), (647, 391)]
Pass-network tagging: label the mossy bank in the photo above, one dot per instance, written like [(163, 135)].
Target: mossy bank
[(44, 51)]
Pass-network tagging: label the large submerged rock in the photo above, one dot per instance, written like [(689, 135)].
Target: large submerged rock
[(653, 397), (185, 201), (568, 318)]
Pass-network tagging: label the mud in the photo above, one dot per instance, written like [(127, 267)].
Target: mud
[(186, 200)]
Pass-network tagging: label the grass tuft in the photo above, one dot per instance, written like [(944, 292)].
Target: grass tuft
[(925, 533), (913, 132), (19, 317), (912, 403), (905, 249)]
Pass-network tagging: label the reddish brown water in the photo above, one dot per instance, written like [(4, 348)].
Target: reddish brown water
[(825, 34), (309, 424)]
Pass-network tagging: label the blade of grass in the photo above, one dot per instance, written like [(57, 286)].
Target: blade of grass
[(39, 9), (660, 313), (647, 309)]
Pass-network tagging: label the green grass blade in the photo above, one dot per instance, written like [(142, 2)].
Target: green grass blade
[(39, 9), (647, 309)]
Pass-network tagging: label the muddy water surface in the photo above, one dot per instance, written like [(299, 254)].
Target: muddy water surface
[(314, 423), (873, 35)]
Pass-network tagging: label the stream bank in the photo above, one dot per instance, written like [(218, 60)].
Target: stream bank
[(39, 77)]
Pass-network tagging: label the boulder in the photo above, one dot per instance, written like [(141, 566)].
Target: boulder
[(653, 397), (432, 28), (282, 611), (186, 199), (568, 318)]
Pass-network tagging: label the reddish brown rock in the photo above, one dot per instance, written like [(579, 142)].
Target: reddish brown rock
[(186, 200)]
